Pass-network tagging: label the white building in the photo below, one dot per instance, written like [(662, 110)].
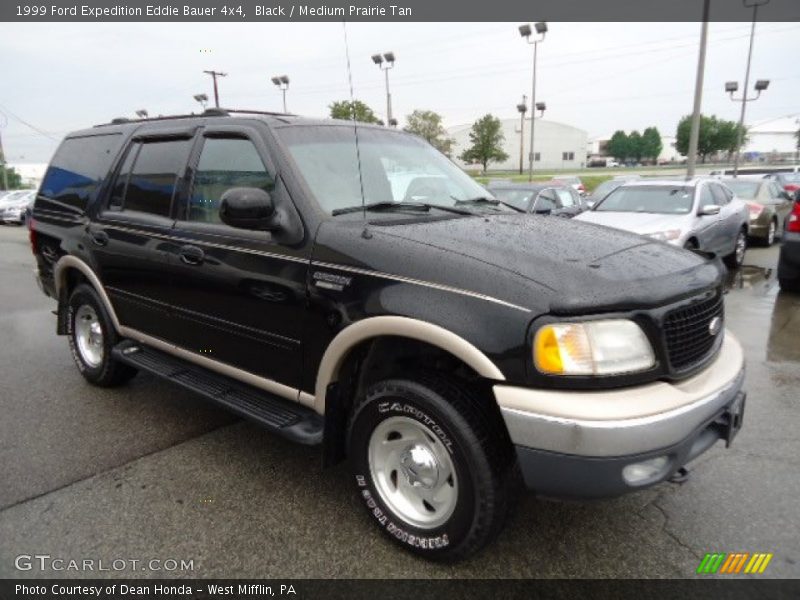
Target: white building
[(773, 138), (557, 146)]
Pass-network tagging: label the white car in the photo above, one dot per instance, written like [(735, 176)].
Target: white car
[(697, 214)]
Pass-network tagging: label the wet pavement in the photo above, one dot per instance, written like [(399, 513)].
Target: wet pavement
[(149, 472)]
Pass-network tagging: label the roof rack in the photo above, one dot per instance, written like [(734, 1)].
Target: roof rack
[(209, 112)]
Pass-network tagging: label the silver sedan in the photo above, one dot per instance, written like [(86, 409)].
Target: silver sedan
[(697, 214)]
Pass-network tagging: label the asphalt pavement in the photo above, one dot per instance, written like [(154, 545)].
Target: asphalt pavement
[(148, 471)]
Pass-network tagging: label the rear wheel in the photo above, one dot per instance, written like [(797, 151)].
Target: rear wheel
[(736, 259), (431, 465), (91, 338), (771, 232)]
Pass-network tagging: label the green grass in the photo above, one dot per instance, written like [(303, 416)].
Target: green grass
[(589, 181)]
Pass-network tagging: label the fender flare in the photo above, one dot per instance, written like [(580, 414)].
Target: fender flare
[(406, 327), (72, 262)]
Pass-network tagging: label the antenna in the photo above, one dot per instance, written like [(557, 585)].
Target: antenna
[(365, 233)]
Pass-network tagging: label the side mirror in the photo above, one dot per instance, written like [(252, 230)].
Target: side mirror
[(248, 208), (709, 209)]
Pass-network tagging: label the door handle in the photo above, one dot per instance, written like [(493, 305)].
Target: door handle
[(191, 255), (99, 238)]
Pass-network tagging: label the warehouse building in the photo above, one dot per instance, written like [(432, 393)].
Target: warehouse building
[(557, 146), (773, 140)]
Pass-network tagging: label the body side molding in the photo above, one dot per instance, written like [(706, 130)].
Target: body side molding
[(373, 327)]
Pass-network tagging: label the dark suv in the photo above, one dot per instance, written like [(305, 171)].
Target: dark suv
[(351, 287)]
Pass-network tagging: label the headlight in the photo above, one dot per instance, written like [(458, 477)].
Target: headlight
[(592, 348), (665, 236)]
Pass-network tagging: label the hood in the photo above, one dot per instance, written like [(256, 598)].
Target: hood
[(642, 223), (546, 264)]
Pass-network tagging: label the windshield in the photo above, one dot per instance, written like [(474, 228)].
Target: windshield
[(667, 200), (395, 168), (515, 197), (743, 188), (604, 188)]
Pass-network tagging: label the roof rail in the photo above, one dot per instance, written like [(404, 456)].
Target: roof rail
[(209, 112)]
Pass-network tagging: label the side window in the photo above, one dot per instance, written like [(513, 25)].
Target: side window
[(546, 201), (565, 197), (706, 196), (775, 192), (720, 197), (78, 167), (224, 163), (156, 169)]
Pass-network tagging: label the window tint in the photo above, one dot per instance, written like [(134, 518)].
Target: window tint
[(546, 202), (78, 168), (121, 182), (224, 163), (155, 173)]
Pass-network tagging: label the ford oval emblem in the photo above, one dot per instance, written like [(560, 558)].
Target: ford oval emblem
[(714, 325)]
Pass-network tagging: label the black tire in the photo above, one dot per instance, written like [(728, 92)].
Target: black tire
[(733, 260), (690, 245), (109, 372), (468, 433)]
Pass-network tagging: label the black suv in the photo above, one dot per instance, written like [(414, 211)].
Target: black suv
[(351, 287)]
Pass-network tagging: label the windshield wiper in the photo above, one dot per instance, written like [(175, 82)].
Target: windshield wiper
[(382, 206), (485, 200)]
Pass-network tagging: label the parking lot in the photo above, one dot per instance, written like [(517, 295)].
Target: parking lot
[(150, 471)]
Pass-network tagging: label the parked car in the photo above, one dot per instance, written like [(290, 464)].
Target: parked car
[(552, 198), (790, 182), (768, 204), (608, 186), (14, 209), (575, 182), (698, 214), (440, 340), (789, 259)]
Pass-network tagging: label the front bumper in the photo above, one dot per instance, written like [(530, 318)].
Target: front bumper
[(577, 444)]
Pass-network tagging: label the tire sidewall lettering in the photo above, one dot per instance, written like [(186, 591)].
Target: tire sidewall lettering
[(406, 409)]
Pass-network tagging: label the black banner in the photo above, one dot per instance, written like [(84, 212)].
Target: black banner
[(383, 589), (394, 10)]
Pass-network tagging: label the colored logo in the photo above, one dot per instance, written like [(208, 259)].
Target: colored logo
[(734, 563)]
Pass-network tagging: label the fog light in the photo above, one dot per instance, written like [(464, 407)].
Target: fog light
[(644, 472)]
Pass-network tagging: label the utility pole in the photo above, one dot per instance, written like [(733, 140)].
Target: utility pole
[(2, 154), (694, 136), (214, 75)]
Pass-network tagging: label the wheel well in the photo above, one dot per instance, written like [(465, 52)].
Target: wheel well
[(71, 278), (386, 357)]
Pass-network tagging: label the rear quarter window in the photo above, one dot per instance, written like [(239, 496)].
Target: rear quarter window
[(78, 168)]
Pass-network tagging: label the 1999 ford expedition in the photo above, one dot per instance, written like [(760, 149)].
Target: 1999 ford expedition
[(351, 287)]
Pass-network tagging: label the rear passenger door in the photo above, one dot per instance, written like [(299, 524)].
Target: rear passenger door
[(130, 236), (239, 296)]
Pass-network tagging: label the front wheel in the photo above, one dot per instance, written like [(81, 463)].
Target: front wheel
[(736, 258), (432, 465)]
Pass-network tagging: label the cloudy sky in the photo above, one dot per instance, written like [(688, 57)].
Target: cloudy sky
[(597, 76)]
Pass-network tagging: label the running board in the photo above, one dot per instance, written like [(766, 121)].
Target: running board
[(290, 420)]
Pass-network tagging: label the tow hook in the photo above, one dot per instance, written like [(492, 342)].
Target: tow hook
[(680, 476)]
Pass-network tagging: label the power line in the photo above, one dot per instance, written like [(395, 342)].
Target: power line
[(24, 122)]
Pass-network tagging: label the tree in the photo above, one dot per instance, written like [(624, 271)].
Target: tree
[(487, 139), (651, 143), (428, 125), (14, 178), (715, 135), (346, 109), (618, 146), (635, 149)]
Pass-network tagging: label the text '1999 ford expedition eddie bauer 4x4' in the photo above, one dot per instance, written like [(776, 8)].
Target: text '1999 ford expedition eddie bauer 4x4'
[(351, 287)]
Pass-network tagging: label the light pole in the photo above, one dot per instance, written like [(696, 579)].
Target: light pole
[(522, 107), (385, 63), (732, 86), (525, 31), (142, 113), (202, 99), (3, 165), (282, 81), (214, 75)]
